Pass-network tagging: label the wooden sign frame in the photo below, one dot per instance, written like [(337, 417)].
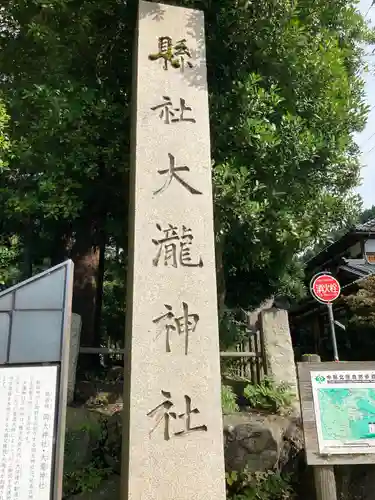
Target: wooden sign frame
[(35, 323), (313, 455)]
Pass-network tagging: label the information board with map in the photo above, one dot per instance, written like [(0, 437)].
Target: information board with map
[(344, 406)]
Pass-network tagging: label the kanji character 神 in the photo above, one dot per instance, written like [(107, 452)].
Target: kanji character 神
[(183, 325)]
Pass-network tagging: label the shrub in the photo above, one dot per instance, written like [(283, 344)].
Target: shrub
[(276, 398), (228, 400), (85, 480), (270, 485)]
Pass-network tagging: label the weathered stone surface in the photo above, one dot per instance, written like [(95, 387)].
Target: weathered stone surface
[(96, 394), (292, 455), (253, 316), (174, 437), (83, 432), (260, 442), (255, 440), (75, 335), (278, 349), (108, 490), (112, 446), (78, 418)]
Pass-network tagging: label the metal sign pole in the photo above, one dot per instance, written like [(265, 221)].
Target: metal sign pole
[(325, 289), (333, 331)]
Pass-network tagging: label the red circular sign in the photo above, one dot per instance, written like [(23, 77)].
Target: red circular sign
[(325, 288)]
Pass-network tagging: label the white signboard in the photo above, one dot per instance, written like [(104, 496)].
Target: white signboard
[(344, 405), (370, 246), (27, 415)]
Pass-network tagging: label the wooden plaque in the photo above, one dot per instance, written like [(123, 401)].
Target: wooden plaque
[(346, 389)]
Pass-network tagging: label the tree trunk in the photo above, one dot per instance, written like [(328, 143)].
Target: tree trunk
[(27, 261), (60, 246), (90, 242), (86, 258), (99, 289)]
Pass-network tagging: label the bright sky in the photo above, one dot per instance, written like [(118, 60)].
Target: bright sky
[(366, 140)]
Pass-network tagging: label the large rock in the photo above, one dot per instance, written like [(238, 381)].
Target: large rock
[(95, 394), (83, 434), (259, 442), (112, 445), (254, 440)]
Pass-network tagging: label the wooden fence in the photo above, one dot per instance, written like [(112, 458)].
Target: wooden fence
[(248, 361), (250, 353)]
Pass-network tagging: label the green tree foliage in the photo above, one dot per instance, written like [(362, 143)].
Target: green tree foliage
[(9, 251), (344, 227), (4, 138), (9, 259), (67, 106), (66, 66), (285, 159), (368, 214), (285, 99)]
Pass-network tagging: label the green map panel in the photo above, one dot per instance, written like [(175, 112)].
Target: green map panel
[(347, 414)]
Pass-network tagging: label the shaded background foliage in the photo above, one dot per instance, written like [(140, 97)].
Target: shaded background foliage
[(360, 327), (285, 99)]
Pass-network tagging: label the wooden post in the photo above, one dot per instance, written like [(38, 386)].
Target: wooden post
[(324, 475), (325, 482)]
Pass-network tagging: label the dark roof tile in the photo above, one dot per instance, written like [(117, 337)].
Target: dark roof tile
[(368, 226), (358, 266)]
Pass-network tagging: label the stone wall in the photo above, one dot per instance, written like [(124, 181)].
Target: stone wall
[(257, 441), (254, 440)]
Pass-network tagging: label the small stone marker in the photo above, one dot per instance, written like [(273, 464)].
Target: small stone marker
[(35, 321), (173, 439), (278, 350), (75, 338)]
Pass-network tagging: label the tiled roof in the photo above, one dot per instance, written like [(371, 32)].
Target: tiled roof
[(359, 267), (367, 227)]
